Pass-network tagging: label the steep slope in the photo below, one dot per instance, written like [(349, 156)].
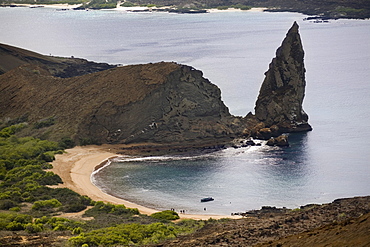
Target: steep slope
[(281, 95), (344, 222), (162, 102)]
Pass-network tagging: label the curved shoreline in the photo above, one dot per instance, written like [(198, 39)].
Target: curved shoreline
[(76, 166)]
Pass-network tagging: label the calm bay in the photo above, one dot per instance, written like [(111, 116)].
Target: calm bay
[(233, 49)]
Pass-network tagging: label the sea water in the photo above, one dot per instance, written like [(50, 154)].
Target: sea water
[(233, 49)]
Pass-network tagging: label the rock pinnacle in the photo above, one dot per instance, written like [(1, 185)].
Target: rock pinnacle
[(281, 95)]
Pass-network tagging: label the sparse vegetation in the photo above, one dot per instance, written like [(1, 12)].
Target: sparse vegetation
[(28, 205), (135, 234)]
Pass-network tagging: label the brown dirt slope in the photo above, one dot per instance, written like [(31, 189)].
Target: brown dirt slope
[(348, 233), (30, 90), (345, 222)]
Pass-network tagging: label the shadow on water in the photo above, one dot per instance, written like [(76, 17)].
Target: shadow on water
[(286, 176), (292, 161)]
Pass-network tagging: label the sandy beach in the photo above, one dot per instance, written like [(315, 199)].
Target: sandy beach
[(236, 10), (76, 166)]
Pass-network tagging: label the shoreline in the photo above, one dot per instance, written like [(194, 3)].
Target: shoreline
[(76, 166), (51, 6), (66, 6)]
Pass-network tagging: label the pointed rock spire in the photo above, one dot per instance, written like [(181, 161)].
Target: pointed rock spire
[(281, 95)]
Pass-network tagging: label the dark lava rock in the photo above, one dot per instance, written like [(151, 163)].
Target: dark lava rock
[(281, 141), (281, 95)]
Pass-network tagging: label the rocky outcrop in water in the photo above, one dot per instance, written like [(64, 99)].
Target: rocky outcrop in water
[(281, 141), (281, 95)]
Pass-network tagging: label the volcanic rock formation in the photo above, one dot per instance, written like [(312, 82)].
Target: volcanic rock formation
[(164, 103), (281, 95)]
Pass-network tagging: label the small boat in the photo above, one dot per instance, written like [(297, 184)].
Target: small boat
[(207, 199)]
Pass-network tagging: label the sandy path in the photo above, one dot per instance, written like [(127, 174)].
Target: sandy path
[(76, 166)]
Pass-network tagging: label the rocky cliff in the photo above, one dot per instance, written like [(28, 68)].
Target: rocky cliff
[(164, 103), (283, 89)]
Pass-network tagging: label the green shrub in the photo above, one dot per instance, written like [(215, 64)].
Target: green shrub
[(47, 204), (50, 178), (77, 230), (15, 226), (15, 209), (6, 204), (66, 142), (72, 208), (47, 156), (166, 215), (126, 234), (11, 130), (14, 221), (42, 220), (22, 218), (34, 228), (108, 208)]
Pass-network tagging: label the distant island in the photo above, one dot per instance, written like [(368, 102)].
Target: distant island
[(355, 9)]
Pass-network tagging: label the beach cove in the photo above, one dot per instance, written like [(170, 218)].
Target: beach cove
[(76, 166)]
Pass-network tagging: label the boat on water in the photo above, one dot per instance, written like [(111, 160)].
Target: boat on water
[(207, 199)]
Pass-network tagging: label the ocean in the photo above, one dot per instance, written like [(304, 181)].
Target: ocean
[(233, 49)]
